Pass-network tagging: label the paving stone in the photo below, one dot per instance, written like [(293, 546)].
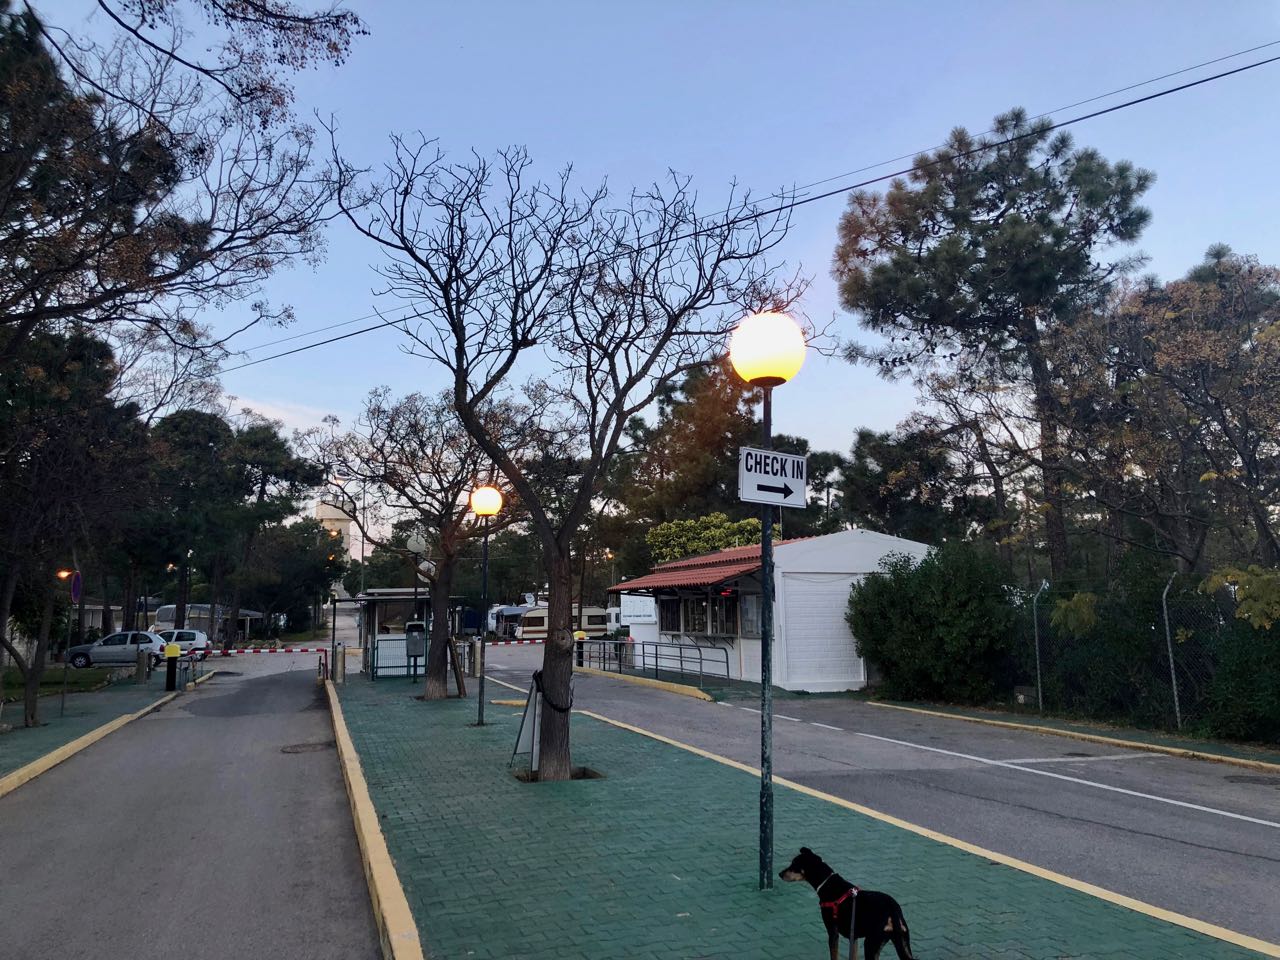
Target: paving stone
[(608, 868)]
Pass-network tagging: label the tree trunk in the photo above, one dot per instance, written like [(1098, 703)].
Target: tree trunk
[(31, 693), (1002, 501), (129, 609), (557, 667), (180, 608), (1051, 463), (215, 595), (108, 617), (12, 572), (437, 685)]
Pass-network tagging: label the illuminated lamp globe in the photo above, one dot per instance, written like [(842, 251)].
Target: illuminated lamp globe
[(486, 501), (767, 349)]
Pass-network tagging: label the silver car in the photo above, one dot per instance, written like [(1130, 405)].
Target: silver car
[(116, 649), (195, 642)]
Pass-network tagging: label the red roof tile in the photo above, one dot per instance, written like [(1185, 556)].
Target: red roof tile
[(704, 570)]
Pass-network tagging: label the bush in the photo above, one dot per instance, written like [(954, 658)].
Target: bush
[(1244, 695), (939, 629)]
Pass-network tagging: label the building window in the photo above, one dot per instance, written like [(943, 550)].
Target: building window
[(669, 615), (724, 616), (695, 615), (597, 619), (533, 621), (750, 604)]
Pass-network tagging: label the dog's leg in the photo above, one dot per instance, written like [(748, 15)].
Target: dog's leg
[(875, 943), (833, 938), (902, 938), (853, 942)]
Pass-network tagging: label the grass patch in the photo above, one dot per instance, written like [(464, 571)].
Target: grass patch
[(51, 681)]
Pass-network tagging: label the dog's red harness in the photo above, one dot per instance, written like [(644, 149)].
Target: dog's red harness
[(835, 904)]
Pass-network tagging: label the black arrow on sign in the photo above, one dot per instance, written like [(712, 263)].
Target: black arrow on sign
[(785, 490)]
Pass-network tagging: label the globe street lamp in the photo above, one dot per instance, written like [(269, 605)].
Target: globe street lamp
[(766, 350), (72, 578), (417, 546), (486, 501)]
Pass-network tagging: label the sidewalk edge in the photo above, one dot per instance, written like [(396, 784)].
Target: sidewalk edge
[(1263, 947), (12, 781), (671, 687), (1184, 752), (397, 931)]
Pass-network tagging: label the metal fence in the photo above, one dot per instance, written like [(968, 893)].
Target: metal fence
[(1153, 664), (683, 660)]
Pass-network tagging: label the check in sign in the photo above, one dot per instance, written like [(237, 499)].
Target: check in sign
[(765, 476)]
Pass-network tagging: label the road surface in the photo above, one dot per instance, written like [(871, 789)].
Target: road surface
[(215, 828)]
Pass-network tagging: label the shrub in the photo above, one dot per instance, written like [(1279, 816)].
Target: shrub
[(939, 629)]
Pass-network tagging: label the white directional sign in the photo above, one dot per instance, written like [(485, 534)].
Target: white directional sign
[(765, 476)]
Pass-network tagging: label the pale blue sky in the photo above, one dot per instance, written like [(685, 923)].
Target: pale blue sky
[(773, 94)]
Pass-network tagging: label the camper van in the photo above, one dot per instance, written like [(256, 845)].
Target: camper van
[(530, 623)]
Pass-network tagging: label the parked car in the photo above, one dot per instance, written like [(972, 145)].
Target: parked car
[(188, 641), (116, 649)]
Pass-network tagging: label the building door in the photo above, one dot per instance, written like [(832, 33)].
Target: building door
[(820, 654)]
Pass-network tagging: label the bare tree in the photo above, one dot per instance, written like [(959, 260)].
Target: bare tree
[(143, 206), (420, 463), (576, 304)]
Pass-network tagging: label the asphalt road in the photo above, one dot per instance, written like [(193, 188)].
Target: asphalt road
[(1196, 837), (217, 827)]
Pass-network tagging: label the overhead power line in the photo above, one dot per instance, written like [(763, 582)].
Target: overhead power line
[(846, 188)]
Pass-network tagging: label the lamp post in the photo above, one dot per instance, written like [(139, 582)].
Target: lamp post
[(766, 350), (72, 579), (486, 501), (417, 546)]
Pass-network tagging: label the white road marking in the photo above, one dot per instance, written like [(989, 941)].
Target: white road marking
[(1112, 756), (749, 709), (826, 726), (792, 719), (1087, 783)]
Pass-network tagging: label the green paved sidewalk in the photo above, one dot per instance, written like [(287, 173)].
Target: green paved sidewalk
[(85, 712), (1219, 748), (659, 859)]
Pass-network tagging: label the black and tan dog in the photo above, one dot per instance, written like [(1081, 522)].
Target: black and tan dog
[(850, 912)]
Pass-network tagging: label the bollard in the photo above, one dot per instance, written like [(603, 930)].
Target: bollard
[(140, 673), (171, 653), (340, 665)]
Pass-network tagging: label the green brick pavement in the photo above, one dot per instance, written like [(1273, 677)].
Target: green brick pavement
[(659, 859), (85, 712)]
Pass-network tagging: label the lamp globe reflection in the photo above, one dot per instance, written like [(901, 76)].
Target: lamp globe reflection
[(767, 349), (486, 501)]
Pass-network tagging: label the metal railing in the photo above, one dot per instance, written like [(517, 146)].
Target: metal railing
[(655, 658)]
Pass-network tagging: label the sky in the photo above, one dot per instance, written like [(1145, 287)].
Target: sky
[(770, 95)]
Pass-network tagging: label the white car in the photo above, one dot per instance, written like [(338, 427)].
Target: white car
[(188, 641), (116, 649)]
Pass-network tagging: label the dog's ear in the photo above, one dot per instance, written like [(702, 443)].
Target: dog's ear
[(806, 850)]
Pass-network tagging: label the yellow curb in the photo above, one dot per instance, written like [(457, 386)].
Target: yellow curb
[(681, 688), (1091, 737), (1221, 933), (507, 703), (208, 676), (17, 778), (396, 929)]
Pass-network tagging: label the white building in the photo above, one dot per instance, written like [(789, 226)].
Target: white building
[(713, 601)]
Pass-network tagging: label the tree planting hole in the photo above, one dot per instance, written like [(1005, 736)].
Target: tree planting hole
[(308, 747), (579, 773)]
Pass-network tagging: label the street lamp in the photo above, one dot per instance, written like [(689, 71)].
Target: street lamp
[(486, 501), (766, 350), (71, 576), (417, 546)]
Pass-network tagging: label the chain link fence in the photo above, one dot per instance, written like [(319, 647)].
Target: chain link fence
[(1180, 663)]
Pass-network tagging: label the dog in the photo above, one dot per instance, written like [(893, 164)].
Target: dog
[(850, 912)]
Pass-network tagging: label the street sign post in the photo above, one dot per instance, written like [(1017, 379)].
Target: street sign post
[(766, 476)]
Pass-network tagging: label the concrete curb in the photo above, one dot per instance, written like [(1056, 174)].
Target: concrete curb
[(17, 778), (681, 688), (397, 931), (1183, 752), (1168, 916)]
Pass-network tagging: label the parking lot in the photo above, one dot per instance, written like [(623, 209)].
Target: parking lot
[(1195, 837)]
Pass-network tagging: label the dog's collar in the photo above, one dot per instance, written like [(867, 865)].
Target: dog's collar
[(818, 891)]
